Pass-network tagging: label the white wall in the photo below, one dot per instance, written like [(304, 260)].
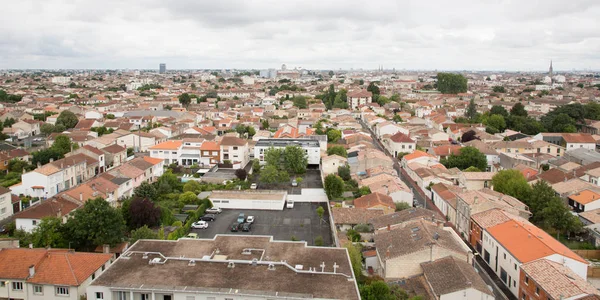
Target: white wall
[(576, 266), (6, 205), (26, 224), (309, 195), (248, 204), (468, 294), (508, 263)]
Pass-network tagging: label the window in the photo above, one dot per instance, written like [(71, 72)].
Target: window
[(103, 267), (17, 286), (2, 283), (93, 276), (537, 291), (515, 266), (145, 296), (527, 280), (409, 146), (34, 222), (3, 211), (235, 148), (99, 295), (62, 291), (504, 255), (38, 289), (121, 295)]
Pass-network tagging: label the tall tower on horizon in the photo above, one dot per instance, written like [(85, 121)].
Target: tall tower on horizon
[(550, 70), (162, 68)]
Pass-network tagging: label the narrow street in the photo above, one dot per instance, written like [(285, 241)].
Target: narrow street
[(491, 279), (407, 181)]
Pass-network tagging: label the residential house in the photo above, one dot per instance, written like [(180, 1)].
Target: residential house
[(60, 207), (48, 274), (509, 245), (331, 163), (359, 98), (346, 218), (475, 180), (234, 150), (399, 143), (390, 185), (114, 155), (139, 141), (397, 219), (451, 278), (29, 127), (544, 279), (401, 250), (376, 201), (585, 200)]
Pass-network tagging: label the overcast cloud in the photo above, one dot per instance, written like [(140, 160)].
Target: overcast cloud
[(323, 34)]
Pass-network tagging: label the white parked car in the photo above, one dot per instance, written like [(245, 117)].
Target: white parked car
[(200, 225), (253, 186), (214, 210), (250, 219)]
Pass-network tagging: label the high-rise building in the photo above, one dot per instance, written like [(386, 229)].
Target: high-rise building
[(162, 68)]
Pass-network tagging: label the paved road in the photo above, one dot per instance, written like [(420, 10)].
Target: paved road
[(397, 167)]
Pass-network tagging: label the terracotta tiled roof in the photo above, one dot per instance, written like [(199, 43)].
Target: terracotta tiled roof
[(585, 197), (48, 208), (448, 275), (210, 146), (114, 149), (374, 199), (53, 267), (401, 138), (168, 145), (558, 281), (232, 141), (580, 138), (153, 161), (354, 215), (526, 242)]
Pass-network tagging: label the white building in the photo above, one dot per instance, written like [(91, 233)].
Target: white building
[(234, 150), (255, 199), (6, 207), (61, 80), (311, 147)]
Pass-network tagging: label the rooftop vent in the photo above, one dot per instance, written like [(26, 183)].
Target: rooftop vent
[(145, 255), (436, 236), (155, 260), (254, 262), (231, 265), (414, 229), (271, 267), (246, 252), (192, 263), (299, 267)]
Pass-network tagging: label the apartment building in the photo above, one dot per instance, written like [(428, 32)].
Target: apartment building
[(311, 147)]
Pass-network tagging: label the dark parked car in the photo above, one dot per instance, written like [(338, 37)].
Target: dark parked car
[(235, 227), (246, 227), (209, 217)]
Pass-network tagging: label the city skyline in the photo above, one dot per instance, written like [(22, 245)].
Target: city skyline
[(462, 35)]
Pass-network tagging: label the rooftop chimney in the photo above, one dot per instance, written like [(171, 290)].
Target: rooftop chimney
[(106, 248), (81, 196), (389, 227)]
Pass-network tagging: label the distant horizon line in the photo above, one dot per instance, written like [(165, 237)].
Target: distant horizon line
[(320, 70)]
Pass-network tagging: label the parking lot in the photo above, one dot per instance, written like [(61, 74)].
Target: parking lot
[(300, 222)]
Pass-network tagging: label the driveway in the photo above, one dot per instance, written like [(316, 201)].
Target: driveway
[(300, 222)]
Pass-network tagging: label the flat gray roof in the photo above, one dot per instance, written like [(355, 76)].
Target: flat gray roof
[(225, 265)]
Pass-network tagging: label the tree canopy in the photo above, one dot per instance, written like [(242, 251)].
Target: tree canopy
[(338, 150), (468, 157), (334, 186), (449, 83), (512, 183), (95, 224), (67, 119)]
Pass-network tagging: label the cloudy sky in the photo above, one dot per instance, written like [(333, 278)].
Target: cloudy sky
[(322, 34)]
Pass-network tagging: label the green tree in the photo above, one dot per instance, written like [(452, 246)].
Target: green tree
[(499, 89), (168, 183), (320, 212), (185, 99), (472, 169), (188, 198), (270, 174), (47, 129), (49, 233), (146, 191), (295, 159), (355, 259), (397, 119), (499, 110), (373, 89), (512, 183), (344, 172), (518, 110), (471, 111), (334, 186), (448, 83), (255, 166), (353, 235), (497, 121), (251, 131), (17, 165), (333, 135), (67, 119), (192, 186), (468, 157), (337, 150), (365, 190), (300, 102), (142, 233), (274, 157), (556, 215), (376, 290), (94, 224), (62, 144)]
